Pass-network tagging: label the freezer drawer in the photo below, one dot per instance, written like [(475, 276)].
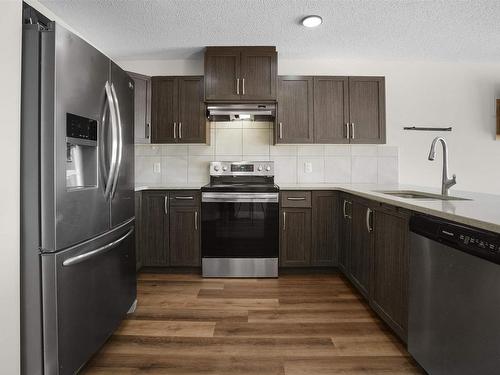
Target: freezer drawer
[(87, 291)]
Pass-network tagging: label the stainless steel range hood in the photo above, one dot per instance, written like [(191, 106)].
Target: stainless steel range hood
[(241, 111)]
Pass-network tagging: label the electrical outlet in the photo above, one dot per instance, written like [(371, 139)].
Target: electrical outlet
[(308, 167), (156, 168)]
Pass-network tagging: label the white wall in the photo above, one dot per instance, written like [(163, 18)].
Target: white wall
[(418, 93), (10, 98)]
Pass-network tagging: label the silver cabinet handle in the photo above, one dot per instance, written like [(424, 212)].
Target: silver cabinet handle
[(296, 198), (165, 205), (347, 130), (368, 217), (184, 197), (180, 130), (91, 254), (147, 131), (243, 86), (352, 130), (175, 130), (281, 130), (346, 202), (237, 86), (284, 221), (196, 220)]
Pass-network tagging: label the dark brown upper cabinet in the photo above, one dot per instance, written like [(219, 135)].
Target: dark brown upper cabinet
[(142, 108), (331, 109), (367, 109), (240, 73), (295, 110), (178, 112)]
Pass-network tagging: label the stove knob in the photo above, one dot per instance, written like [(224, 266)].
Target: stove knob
[(216, 168), (259, 168), (268, 168), (224, 168)]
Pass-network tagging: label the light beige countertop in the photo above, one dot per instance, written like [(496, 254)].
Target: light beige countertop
[(482, 211)]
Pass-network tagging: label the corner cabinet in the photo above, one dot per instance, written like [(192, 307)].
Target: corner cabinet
[(374, 256), (142, 108), (178, 110), (330, 109), (240, 73)]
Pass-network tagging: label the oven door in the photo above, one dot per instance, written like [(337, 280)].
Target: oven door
[(239, 225)]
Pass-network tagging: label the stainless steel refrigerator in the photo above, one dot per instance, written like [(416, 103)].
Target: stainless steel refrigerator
[(78, 244)]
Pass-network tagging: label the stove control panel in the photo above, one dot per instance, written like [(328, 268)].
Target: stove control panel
[(242, 168)]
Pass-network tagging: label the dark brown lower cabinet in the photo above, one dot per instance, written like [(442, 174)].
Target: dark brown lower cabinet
[(295, 238), (390, 267), (154, 229), (184, 236), (324, 228), (169, 228), (361, 246)]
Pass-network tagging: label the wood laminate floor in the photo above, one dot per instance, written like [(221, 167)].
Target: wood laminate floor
[(294, 325)]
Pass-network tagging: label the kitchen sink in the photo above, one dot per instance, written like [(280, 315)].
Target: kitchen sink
[(410, 194)]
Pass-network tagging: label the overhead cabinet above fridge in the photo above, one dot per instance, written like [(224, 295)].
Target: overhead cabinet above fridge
[(240, 73)]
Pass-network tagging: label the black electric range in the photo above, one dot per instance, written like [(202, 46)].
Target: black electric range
[(240, 220)]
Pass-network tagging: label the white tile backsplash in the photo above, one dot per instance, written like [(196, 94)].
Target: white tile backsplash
[(338, 169), (256, 141), (228, 141), (364, 170), (316, 174), (240, 140)]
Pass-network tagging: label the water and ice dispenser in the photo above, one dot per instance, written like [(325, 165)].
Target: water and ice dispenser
[(81, 152)]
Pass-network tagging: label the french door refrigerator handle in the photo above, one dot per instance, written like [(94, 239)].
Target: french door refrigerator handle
[(91, 254), (120, 141), (114, 141)]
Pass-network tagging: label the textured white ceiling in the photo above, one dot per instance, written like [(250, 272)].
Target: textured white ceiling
[(379, 29)]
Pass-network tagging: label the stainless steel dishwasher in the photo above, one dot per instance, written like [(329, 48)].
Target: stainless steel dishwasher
[(454, 313)]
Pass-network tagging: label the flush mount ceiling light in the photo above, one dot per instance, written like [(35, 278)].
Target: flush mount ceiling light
[(312, 21)]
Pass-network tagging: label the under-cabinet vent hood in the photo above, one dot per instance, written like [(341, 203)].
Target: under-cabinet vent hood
[(245, 112)]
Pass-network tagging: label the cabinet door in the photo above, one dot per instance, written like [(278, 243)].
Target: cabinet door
[(367, 109), (222, 70), (390, 267), (331, 109), (324, 228), (295, 110), (258, 74), (192, 122), (361, 247), (295, 244), (154, 229), (142, 108), (184, 236), (345, 233), (164, 109)]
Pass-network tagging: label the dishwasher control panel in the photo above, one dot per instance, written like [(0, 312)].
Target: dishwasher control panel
[(471, 240)]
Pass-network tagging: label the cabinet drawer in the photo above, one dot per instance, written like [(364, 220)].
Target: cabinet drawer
[(295, 199), (185, 198)]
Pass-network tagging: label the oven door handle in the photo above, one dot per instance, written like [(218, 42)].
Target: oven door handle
[(240, 197)]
